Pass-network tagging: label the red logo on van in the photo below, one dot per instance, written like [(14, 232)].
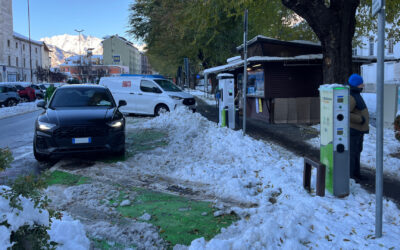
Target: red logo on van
[(126, 84)]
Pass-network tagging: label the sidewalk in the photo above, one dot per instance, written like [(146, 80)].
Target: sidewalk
[(293, 138)]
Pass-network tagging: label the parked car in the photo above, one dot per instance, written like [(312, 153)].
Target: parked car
[(147, 95), (79, 119), (26, 93), (38, 91), (8, 96)]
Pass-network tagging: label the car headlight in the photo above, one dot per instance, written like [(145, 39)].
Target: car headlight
[(116, 123), (44, 126), (176, 97)]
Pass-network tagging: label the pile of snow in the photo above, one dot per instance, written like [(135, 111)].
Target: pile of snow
[(240, 168), (21, 108), (68, 233)]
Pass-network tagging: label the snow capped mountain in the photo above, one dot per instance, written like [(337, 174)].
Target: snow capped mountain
[(58, 55), (70, 43), (64, 46)]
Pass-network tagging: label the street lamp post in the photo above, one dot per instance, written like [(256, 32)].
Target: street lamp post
[(80, 54), (30, 43)]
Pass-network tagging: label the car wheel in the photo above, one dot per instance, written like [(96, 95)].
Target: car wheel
[(11, 102), (160, 109), (40, 157)]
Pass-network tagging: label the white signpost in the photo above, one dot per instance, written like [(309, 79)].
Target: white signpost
[(378, 6)]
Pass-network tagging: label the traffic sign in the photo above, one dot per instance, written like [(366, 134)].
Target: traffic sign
[(376, 6)]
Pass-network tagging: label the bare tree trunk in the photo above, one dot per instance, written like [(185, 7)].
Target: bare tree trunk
[(334, 24)]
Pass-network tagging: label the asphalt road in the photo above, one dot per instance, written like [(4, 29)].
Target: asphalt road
[(17, 135)]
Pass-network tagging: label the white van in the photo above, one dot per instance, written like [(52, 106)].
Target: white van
[(147, 95)]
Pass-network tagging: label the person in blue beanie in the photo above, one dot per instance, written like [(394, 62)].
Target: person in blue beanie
[(359, 124)]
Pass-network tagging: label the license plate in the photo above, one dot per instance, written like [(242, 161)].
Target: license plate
[(81, 140)]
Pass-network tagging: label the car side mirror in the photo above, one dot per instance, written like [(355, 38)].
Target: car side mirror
[(41, 104), (121, 103)]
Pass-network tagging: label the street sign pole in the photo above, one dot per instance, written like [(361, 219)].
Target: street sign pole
[(378, 6), (245, 70)]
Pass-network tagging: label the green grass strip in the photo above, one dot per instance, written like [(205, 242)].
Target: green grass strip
[(179, 219), (64, 178)]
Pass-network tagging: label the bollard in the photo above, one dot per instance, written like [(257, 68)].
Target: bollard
[(321, 170)]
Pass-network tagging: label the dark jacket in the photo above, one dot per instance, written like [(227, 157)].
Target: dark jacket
[(359, 116)]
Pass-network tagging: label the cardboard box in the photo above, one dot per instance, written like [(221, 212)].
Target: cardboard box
[(301, 110), (303, 106), (281, 110)]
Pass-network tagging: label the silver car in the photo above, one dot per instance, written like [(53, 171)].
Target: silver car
[(8, 96)]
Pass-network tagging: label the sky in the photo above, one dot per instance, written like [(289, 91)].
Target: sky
[(57, 17)]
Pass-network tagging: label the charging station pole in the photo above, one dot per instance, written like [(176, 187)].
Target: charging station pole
[(335, 138)]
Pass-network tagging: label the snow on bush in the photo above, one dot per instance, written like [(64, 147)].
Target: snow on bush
[(67, 233), (242, 169)]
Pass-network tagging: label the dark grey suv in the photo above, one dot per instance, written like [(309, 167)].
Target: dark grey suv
[(8, 95)]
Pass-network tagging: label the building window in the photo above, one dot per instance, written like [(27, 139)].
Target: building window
[(9, 60), (8, 43), (16, 45), (16, 61), (354, 51), (371, 46), (23, 47), (24, 63), (37, 63), (36, 50), (390, 46)]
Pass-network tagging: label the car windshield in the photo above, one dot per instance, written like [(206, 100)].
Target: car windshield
[(168, 85), (42, 87), (82, 97), (19, 87)]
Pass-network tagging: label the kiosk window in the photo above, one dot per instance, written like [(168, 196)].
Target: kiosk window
[(255, 85)]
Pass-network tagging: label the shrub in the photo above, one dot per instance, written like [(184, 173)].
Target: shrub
[(49, 92), (5, 158), (26, 190)]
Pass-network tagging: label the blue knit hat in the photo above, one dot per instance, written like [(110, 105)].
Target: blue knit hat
[(355, 80)]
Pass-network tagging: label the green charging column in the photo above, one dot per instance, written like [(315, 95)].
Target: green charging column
[(335, 138)]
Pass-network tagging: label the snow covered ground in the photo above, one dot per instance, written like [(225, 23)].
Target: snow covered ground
[(223, 164), (199, 92), (21, 108)]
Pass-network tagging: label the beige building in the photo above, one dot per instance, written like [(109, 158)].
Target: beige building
[(119, 51), (14, 50)]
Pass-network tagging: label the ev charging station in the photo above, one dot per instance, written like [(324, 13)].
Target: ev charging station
[(335, 137), (227, 100)]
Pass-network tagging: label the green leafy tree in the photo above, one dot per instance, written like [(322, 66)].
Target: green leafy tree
[(208, 32)]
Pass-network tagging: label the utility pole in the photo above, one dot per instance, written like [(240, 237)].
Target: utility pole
[(30, 43), (378, 7), (80, 54), (245, 70)]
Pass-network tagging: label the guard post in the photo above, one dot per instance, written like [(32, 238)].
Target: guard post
[(335, 137)]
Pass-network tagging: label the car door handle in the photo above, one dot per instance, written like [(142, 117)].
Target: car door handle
[(132, 93), (140, 94)]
